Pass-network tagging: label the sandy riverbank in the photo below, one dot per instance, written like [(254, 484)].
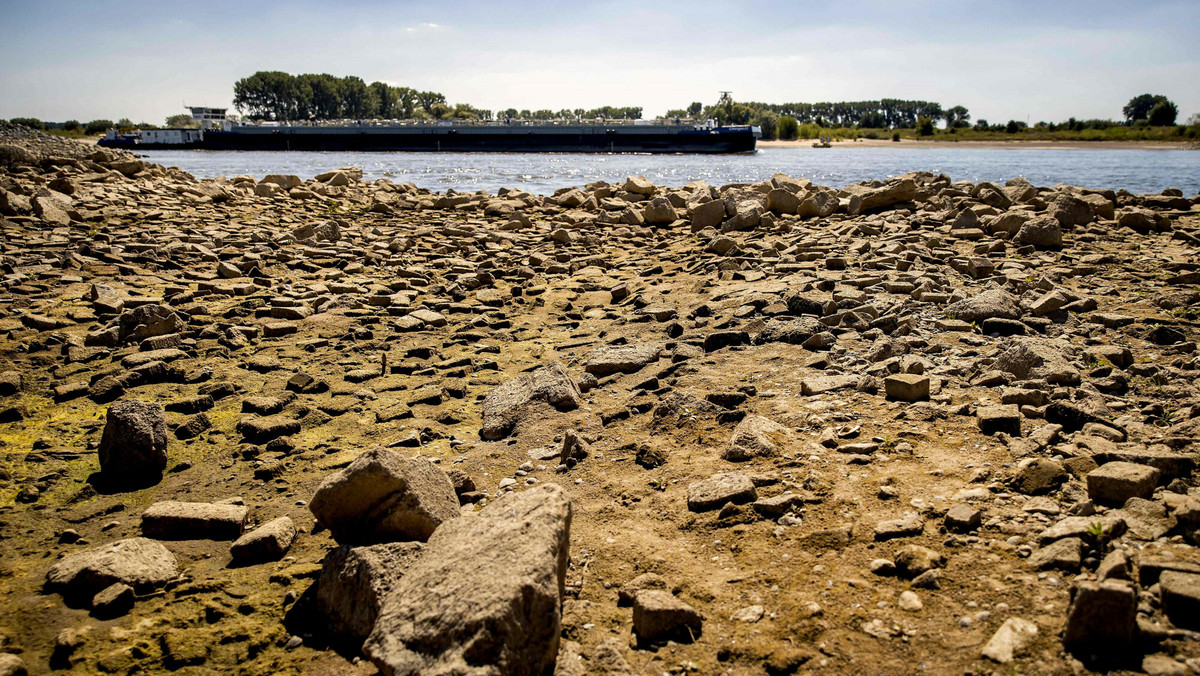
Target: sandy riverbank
[(1014, 145)]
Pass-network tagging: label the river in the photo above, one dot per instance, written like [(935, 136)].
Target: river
[(1136, 170)]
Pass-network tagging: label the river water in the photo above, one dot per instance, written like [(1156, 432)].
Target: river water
[(1136, 170)]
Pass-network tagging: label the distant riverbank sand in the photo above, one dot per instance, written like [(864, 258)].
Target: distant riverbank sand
[(1016, 145)]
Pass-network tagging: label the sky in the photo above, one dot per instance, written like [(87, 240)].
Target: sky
[(1023, 60)]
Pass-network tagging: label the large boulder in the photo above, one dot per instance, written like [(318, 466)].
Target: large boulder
[(140, 563), (659, 211), (486, 596), (707, 215), (1043, 233), (782, 201), (354, 582), (993, 303), (551, 384), (899, 190), (133, 447), (383, 496), (1032, 358)]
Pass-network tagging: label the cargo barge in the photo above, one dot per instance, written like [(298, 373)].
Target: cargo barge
[(218, 133)]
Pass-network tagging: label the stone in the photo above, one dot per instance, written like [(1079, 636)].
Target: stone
[(782, 201), (749, 614), (354, 582), (10, 664), (1161, 665), (268, 542), (907, 387), (620, 359), (10, 383), (755, 437), (708, 215), (172, 520), (639, 185), (1101, 619), (1065, 554), (1043, 233), (659, 616), (1004, 418), (910, 602), (1010, 640), (1039, 476), (629, 590), (908, 525), (486, 595), (1082, 527), (113, 601), (383, 496), (659, 212), (718, 490), (551, 384), (1180, 594), (140, 563), (813, 386), (260, 430), (914, 560), (133, 447), (1116, 482), (147, 321), (990, 304), (962, 518)]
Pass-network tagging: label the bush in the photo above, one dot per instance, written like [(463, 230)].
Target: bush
[(71, 125), (97, 126), (895, 137), (1012, 127), (924, 126), (31, 122), (787, 128)]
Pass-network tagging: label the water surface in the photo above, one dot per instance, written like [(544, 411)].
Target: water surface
[(1136, 170)]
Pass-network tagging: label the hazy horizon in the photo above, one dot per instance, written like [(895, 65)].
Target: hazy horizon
[(1014, 60)]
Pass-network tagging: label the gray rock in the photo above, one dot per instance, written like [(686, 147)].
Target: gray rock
[(629, 590), (1004, 418), (268, 542), (11, 665), (133, 447), (620, 359), (914, 560), (908, 525), (719, 489), (383, 496), (551, 384), (659, 212), (1043, 233), (140, 563), (1065, 554), (755, 437), (659, 616), (485, 597), (113, 601), (171, 520), (355, 581), (1010, 640), (147, 321), (962, 518), (907, 387), (993, 303)]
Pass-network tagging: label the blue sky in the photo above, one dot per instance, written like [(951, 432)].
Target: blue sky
[(1002, 60)]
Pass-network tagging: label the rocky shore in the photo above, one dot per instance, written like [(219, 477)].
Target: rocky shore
[(264, 425)]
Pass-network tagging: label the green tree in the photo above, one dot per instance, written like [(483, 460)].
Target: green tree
[(31, 122), (97, 127), (427, 100), (768, 122), (324, 96), (872, 119), (388, 99), (787, 128), (924, 126), (71, 125), (124, 123), (357, 99), (1139, 107), (266, 94), (1163, 114), (955, 117), (695, 108), (1012, 127), (181, 121)]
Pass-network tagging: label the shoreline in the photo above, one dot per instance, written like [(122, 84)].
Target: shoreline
[(987, 145)]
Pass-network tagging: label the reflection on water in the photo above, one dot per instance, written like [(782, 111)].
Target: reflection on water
[(542, 173)]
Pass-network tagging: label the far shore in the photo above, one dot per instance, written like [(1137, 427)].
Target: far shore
[(910, 143)]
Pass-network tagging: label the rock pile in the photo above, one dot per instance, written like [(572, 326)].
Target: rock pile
[(773, 426)]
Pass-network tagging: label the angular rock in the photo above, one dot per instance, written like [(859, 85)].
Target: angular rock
[(133, 447), (486, 595), (620, 359), (354, 582), (172, 520), (907, 387), (993, 303), (1010, 640), (1101, 619), (658, 616), (719, 489), (268, 542), (755, 437), (383, 496), (550, 384), (1116, 482), (140, 563), (1180, 594)]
